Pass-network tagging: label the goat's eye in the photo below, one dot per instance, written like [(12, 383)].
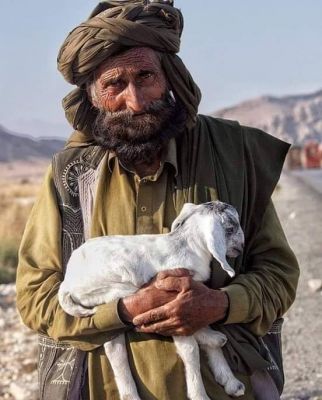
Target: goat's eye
[(230, 231)]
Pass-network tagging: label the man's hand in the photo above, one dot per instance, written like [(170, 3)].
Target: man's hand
[(151, 296), (192, 307)]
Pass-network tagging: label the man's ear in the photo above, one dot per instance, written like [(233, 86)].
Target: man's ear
[(91, 93), (216, 244), (186, 210)]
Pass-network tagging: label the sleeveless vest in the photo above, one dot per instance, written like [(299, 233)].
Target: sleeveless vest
[(62, 368)]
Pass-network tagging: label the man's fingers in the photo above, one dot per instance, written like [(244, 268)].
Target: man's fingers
[(177, 284), (165, 328), (149, 317), (158, 327), (177, 272)]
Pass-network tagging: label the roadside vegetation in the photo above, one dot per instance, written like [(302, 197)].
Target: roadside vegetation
[(16, 201)]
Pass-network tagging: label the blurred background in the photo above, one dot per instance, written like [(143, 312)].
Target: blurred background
[(259, 63)]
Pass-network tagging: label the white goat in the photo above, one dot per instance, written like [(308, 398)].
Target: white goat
[(110, 267)]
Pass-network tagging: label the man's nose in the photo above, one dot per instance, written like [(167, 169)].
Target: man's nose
[(135, 99)]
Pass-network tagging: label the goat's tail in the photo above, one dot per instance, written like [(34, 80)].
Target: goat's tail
[(70, 306)]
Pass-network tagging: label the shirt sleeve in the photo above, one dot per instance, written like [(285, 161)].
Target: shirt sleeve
[(39, 275), (268, 287)]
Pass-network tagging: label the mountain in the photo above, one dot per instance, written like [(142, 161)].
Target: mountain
[(295, 119), (14, 147)]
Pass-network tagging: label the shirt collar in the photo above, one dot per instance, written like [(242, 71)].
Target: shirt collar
[(170, 157)]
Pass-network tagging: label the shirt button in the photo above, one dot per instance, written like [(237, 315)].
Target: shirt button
[(143, 209)]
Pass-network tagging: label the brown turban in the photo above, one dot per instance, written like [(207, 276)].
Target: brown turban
[(113, 27)]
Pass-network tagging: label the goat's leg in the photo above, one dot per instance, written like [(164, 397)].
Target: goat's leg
[(212, 341), (188, 350), (115, 351)]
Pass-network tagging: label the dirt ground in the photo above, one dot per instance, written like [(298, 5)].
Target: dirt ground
[(22, 171)]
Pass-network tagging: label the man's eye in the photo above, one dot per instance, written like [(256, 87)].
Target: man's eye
[(113, 84), (145, 77), (113, 87)]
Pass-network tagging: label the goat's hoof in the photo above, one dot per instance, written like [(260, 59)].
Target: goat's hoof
[(218, 339), (235, 388), (222, 339)]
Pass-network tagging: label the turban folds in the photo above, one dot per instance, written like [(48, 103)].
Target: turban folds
[(113, 27)]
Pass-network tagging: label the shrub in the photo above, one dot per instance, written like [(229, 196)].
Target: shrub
[(15, 204), (8, 262), (7, 275)]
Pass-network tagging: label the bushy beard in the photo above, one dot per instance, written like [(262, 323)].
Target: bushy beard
[(139, 138)]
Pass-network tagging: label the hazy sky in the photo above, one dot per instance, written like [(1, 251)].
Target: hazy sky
[(234, 49)]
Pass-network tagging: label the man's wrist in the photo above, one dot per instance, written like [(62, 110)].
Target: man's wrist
[(221, 306), (124, 314), (226, 308)]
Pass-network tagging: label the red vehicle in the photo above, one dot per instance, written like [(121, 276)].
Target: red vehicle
[(311, 155), (294, 157)]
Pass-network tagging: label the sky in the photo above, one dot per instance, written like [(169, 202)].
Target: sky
[(235, 50)]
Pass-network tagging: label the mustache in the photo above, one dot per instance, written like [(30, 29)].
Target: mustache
[(127, 116), (137, 126), (137, 137)]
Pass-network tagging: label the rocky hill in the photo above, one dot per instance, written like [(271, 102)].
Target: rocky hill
[(14, 147), (295, 119)]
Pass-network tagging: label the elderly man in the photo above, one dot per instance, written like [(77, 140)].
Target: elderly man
[(138, 153)]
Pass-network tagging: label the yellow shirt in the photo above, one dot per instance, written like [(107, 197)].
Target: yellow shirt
[(125, 204)]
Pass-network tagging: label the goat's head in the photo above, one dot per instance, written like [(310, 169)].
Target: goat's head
[(218, 225)]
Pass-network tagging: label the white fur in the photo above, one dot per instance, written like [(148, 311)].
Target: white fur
[(111, 267)]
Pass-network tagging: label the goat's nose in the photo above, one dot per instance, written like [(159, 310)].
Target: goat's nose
[(238, 250), (240, 246)]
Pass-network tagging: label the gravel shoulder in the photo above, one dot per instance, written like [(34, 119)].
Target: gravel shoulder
[(300, 211)]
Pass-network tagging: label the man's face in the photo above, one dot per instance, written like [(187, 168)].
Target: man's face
[(137, 114), (130, 81)]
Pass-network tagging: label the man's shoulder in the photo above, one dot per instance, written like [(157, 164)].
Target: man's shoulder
[(221, 126), (221, 132), (78, 155), (68, 151), (250, 134), (228, 124), (219, 122)]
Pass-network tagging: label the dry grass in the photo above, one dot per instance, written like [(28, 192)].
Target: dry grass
[(15, 204), (16, 200)]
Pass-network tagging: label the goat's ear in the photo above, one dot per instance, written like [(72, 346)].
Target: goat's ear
[(184, 213), (216, 244)]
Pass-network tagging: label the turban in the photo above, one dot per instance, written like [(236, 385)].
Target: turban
[(116, 26)]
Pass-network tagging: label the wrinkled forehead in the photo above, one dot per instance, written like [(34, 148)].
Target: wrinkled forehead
[(135, 59)]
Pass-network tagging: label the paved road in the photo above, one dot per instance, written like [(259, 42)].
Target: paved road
[(312, 177)]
